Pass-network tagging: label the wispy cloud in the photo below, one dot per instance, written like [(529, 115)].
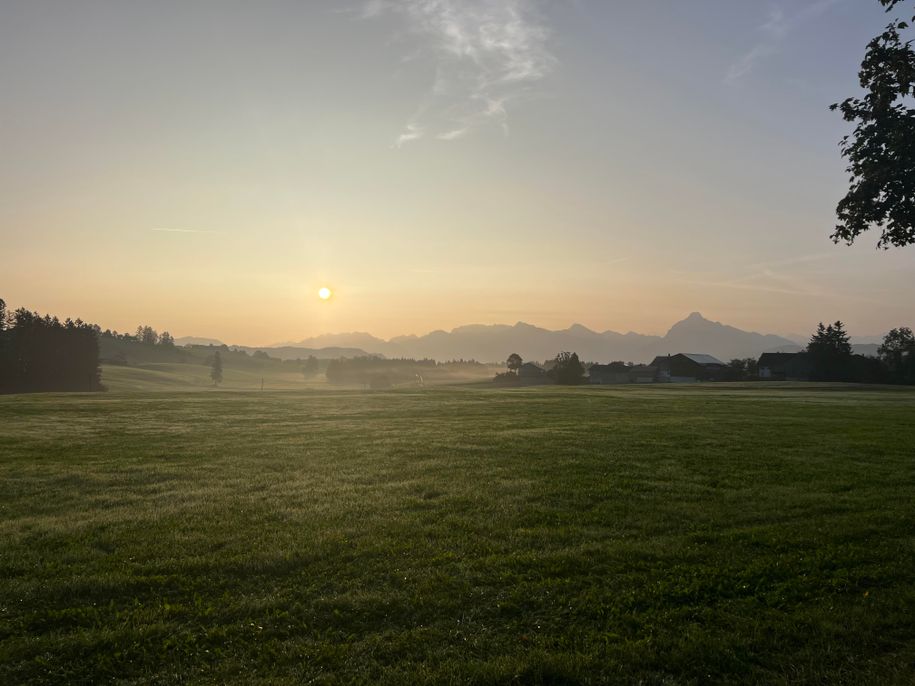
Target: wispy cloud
[(790, 276), (411, 132), (773, 33), (487, 55), (798, 259), (183, 231)]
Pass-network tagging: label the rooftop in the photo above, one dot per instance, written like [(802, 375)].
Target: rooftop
[(699, 358)]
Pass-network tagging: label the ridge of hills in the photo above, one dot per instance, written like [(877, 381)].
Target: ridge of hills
[(494, 342)]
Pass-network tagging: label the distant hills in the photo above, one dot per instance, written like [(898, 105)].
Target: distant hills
[(282, 352), (493, 343), (194, 340), (291, 352)]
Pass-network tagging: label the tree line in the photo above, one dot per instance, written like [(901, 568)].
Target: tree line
[(827, 357), (830, 357), (41, 353), (144, 334), (565, 369)]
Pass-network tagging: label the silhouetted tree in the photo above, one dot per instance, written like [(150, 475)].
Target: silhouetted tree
[(514, 362), (830, 352), (568, 369), (216, 368), (736, 370), (507, 379), (5, 357), (897, 352), (167, 340), (310, 367), (881, 150), (751, 367), (147, 335), (742, 369), (830, 339)]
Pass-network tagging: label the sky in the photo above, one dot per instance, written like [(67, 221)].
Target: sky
[(205, 167)]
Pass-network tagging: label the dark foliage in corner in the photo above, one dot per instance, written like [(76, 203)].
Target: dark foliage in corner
[(881, 150), (898, 355)]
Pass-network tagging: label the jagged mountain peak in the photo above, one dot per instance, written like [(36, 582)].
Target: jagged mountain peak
[(581, 330), (494, 342), (695, 320)]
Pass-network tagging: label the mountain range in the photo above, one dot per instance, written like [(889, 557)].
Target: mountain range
[(490, 343), (493, 343)]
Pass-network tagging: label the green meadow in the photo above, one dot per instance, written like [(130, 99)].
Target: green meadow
[(663, 535), (176, 376)]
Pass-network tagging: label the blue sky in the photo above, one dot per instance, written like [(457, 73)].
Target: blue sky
[(436, 163)]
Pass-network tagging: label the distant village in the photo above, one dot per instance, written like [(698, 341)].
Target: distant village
[(682, 368)]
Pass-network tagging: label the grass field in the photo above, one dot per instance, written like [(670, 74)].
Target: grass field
[(165, 376), (459, 535), (168, 376)]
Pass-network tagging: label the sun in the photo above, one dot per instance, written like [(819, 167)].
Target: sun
[(324, 293)]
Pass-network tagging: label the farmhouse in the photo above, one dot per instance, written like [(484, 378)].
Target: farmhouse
[(784, 366), (531, 374), (688, 367), (643, 373)]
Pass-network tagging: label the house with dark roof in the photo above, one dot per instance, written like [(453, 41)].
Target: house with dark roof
[(785, 366), (689, 367), (532, 374), (643, 373)]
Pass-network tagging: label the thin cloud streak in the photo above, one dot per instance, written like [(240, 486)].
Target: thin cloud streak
[(502, 268), (488, 54), (785, 276), (182, 231), (412, 132), (774, 32), (770, 281), (800, 259)]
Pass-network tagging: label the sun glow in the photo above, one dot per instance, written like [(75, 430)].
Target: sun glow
[(324, 293)]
